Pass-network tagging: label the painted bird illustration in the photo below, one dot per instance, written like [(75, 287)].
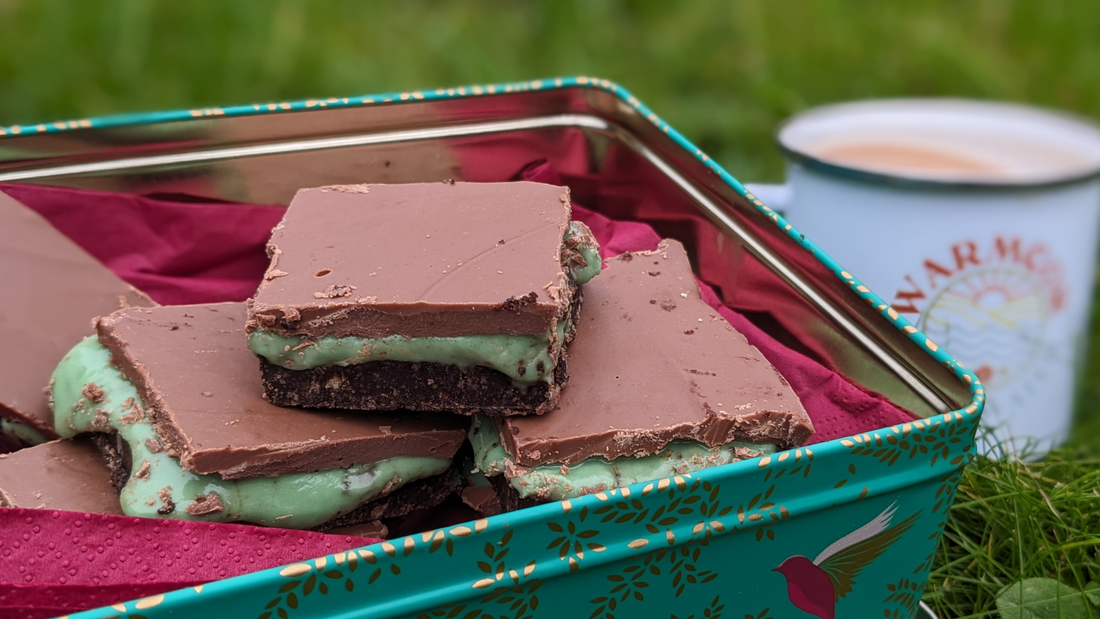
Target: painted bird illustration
[(816, 586)]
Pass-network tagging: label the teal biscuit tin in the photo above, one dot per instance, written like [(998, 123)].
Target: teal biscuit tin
[(844, 528)]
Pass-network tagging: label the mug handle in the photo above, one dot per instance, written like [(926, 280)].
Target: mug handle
[(779, 197)]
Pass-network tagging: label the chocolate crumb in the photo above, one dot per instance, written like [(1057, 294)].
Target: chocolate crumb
[(136, 413), (689, 331), (153, 445), (174, 328), (653, 273), (653, 301), (515, 304), (143, 472), (626, 257), (668, 306), (168, 505), (336, 290), (360, 188), (93, 393), (101, 422), (446, 181), (206, 504)]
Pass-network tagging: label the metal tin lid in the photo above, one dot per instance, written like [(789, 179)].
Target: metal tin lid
[(924, 612), (944, 143)]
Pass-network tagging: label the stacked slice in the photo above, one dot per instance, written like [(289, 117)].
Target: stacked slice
[(662, 386), (393, 318), (455, 297), (171, 395)]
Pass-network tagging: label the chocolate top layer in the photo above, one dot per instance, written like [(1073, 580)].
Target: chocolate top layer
[(652, 363), (192, 367), (68, 475), (440, 259), (52, 289)]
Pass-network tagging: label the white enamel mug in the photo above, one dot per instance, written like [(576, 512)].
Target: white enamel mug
[(978, 222)]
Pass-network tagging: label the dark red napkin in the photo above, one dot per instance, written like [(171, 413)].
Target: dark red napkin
[(54, 562), (185, 250)]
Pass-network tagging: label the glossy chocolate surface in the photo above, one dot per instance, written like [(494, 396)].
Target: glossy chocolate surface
[(62, 474), (653, 363), (427, 259), (52, 291), (193, 369)]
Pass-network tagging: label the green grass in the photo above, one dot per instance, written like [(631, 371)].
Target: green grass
[(1012, 520), (725, 73)]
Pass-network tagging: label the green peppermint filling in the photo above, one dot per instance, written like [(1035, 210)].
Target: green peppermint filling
[(557, 482), (21, 431), (591, 254), (526, 359), (296, 500)]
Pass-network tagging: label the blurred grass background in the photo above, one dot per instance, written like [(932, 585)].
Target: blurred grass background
[(724, 72)]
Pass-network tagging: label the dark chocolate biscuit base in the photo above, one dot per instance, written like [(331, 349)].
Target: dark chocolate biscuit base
[(509, 497), (116, 452), (418, 386), (417, 495), (420, 494), (391, 385), (9, 444)]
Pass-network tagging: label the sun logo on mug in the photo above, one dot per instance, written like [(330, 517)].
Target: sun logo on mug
[(993, 306), (997, 315)]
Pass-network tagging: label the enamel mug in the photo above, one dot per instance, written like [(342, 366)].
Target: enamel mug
[(988, 214)]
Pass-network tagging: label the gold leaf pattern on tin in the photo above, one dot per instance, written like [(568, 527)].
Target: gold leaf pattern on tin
[(295, 569), (149, 602)]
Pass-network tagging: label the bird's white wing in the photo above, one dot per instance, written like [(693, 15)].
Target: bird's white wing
[(876, 526)]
